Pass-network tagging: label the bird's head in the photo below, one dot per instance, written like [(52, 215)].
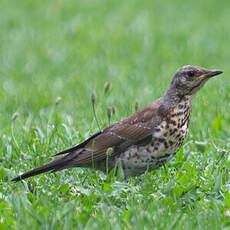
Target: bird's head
[(189, 79)]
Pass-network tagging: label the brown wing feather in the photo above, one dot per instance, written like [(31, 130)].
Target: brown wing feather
[(79, 146), (125, 133)]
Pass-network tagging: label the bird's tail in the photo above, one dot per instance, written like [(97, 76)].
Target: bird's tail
[(67, 161), (54, 165)]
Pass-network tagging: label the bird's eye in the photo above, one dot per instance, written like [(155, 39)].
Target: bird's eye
[(191, 73)]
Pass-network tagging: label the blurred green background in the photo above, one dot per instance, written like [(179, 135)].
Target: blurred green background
[(68, 49)]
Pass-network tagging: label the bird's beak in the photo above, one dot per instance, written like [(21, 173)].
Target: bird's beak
[(210, 74)]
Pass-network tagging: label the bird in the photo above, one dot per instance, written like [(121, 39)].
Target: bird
[(146, 140)]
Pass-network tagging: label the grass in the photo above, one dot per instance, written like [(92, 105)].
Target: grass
[(54, 54)]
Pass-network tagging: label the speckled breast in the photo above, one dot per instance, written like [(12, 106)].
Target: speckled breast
[(166, 141)]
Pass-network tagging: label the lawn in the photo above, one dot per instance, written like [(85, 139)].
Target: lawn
[(54, 54)]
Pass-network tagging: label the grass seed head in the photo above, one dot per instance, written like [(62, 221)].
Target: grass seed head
[(93, 97), (137, 105), (15, 116), (58, 100), (107, 87)]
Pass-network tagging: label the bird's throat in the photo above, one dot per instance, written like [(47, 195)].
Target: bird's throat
[(173, 98)]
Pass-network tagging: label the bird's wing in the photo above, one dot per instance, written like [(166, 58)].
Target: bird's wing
[(119, 136)]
